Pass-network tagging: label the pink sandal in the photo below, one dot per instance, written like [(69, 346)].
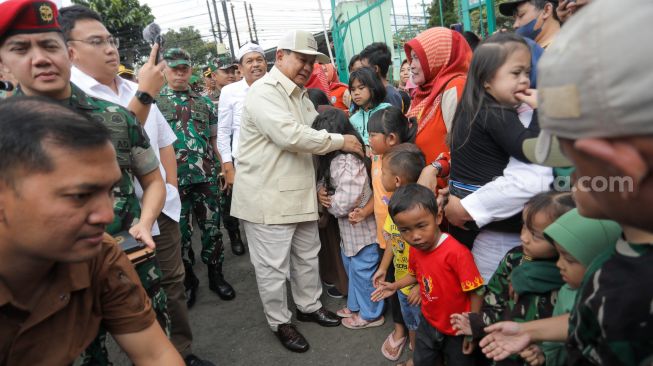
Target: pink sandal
[(356, 322), (397, 345), (344, 313)]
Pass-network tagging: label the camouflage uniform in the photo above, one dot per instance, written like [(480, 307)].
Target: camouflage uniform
[(499, 305), (230, 222), (135, 156), (194, 120), (612, 322)]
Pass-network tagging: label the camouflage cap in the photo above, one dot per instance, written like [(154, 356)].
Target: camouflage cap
[(208, 70), (176, 56), (225, 61), (193, 79)]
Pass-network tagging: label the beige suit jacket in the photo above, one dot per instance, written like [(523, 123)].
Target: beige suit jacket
[(275, 178)]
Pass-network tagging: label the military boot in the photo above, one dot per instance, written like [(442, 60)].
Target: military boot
[(237, 246), (217, 283), (191, 283)]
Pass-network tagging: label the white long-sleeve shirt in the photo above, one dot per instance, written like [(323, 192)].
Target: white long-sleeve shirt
[(230, 109), (157, 128), (506, 195)]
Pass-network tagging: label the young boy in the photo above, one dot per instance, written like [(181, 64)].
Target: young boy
[(401, 165), (446, 274)]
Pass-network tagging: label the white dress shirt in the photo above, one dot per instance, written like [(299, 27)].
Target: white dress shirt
[(157, 128), (230, 109)]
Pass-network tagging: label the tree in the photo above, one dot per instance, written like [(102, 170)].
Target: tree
[(451, 15), (125, 19), (449, 12), (191, 40)]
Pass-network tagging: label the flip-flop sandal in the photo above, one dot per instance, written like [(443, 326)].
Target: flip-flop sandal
[(344, 313), (356, 322), (394, 345)]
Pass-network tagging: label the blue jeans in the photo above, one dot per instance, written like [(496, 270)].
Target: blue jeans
[(360, 269), (410, 312)]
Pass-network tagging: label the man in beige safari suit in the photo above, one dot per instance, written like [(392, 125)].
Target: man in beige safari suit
[(274, 190)]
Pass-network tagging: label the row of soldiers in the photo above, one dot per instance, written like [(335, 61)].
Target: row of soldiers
[(165, 140)]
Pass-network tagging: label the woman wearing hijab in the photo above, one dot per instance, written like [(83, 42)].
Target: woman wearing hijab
[(439, 60)]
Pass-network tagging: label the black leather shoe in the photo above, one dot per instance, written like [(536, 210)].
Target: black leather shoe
[(291, 338), (191, 283), (192, 360), (218, 284), (237, 246), (322, 317)]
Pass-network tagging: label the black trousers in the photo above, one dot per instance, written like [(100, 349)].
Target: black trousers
[(432, 346)]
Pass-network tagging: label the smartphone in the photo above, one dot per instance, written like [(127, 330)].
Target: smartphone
[(159, 41), (127, 242)]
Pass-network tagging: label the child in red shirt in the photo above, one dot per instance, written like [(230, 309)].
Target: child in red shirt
[(446, 274)]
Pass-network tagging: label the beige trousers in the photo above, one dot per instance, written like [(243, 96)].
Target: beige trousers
[(280, 252)]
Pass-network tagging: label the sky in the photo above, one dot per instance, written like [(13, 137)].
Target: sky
[(272, 17)]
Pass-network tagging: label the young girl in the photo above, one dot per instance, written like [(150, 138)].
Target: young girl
[(486, 132), (525, 285), (578, 241), (387, 128), (367, 94), (346, 178)]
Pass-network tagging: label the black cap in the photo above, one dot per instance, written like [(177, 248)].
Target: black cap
[(508, 8)]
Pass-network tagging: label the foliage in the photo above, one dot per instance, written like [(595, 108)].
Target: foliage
[(190, 40), (125, 19), (449, 12), (452, 15)]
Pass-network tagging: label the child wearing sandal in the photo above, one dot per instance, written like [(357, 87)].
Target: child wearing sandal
[(402, 165), (346, 179), (447, 276), (387, 128)]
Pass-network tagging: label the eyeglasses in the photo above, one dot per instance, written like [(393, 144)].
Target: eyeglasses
[(99, 42)]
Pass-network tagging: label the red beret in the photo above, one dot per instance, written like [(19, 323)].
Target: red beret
[(28, 16)]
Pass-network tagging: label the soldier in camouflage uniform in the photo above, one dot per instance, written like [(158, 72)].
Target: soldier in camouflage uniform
[(209, 83), (220, 76), (222, 73), (194, 120)]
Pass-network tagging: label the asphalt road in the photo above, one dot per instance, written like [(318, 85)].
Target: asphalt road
[(236, 333)]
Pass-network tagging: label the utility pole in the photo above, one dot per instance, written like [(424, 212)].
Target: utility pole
[(251, 12), (249, 27), (211, 18), (217, 21), (233, 15), (226, 20)]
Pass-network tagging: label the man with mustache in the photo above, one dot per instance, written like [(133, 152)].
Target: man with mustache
[(274, 191), (251, 62)]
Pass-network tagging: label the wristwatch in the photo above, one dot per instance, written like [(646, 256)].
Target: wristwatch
[(144, 97), (436, 164)]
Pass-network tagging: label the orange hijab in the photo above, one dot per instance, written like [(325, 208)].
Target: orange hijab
[(443, 55)]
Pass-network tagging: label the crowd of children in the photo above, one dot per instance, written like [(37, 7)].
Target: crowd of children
[(444, 299)]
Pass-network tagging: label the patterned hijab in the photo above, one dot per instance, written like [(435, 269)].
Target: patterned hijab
[(444, 55)]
